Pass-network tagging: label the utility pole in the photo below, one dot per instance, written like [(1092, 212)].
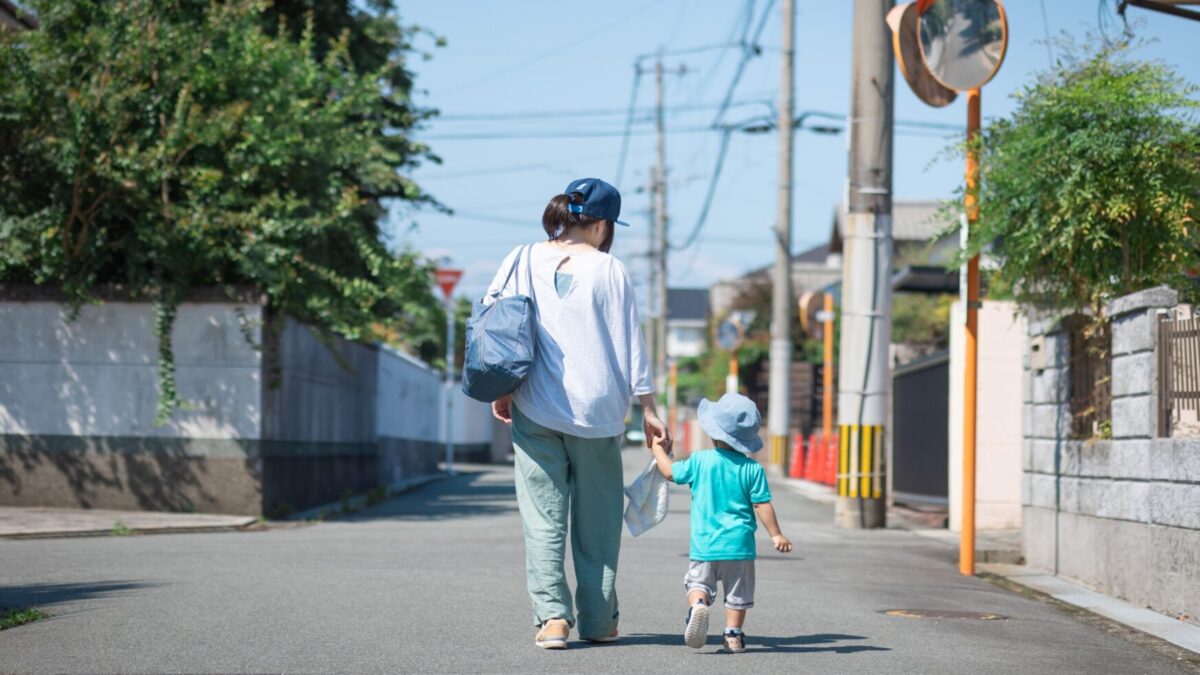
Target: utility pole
[(866, 275), (651, 274), (780, 399), (660, 222)]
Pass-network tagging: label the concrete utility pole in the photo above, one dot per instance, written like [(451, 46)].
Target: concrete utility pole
[(866, 275), (660, 223), (780, 399), (651, 282)]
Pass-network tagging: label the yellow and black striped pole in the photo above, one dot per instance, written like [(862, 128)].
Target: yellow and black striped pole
[(861, 462)]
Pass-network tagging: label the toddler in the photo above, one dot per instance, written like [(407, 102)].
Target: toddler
[(728, 489)]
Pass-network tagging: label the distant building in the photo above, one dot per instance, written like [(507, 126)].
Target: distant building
[(811, 270), (918, 257), (687, 321), (12, 17)]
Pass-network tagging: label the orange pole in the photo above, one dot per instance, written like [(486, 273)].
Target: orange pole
[(827, 370), (966, 553)]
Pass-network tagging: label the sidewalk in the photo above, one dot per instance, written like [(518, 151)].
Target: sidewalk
[(998, 552), (39, 522)]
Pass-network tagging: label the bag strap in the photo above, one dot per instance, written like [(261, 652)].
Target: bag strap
[(512, 268)]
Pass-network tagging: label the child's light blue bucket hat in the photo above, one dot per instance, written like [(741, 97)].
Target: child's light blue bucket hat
[(733, 419)]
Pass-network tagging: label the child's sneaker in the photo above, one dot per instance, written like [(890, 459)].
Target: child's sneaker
[(735, 642), (697, 626)]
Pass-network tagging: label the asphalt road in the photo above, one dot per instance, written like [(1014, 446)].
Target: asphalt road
[(433, 582)]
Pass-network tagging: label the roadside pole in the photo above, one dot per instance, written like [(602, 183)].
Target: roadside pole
[(966, 558), (779, 392), (447, 279), (660, 225), (866, 276)]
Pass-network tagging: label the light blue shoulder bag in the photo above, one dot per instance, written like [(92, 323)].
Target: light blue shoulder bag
[(501, 339)]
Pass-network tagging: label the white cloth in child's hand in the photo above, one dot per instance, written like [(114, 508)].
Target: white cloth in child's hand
[(649, 498)]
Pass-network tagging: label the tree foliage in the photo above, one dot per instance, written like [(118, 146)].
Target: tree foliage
[(168, 144), (1090, 189)]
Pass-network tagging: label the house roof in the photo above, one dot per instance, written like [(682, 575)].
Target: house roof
[(687, 304), (912, 221), (813, 256), (13, 16)]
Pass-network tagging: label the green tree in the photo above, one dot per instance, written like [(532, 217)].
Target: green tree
[(168, 144), (1090, 189)]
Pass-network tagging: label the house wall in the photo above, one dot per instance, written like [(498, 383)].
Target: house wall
[(1121, 515), (998, 430)]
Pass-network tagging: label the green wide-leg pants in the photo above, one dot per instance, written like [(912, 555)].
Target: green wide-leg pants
[(560, 476)]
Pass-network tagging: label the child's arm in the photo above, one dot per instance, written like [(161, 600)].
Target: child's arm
[(766, 513), (662, 459)]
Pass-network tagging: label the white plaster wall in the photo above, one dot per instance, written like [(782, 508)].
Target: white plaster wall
[(998, 422), (96, 375), (685, 338), (408, 399)]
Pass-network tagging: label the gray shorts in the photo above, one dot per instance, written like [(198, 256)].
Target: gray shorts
[(736, 577)]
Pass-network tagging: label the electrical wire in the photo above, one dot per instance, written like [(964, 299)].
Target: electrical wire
[(1046, 30), (712, 191), (591, 112), (577, 38), (749, 50), (637, 78)]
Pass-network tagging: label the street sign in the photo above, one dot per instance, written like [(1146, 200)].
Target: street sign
[(448, 279)]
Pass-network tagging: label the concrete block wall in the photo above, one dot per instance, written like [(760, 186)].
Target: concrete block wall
[(274, 422), (1120, 515)]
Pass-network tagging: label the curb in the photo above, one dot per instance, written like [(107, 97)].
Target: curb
[(1161, 626), (133, 531), (358, 502)]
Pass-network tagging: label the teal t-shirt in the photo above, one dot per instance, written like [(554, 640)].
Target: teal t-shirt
[(725, 486)]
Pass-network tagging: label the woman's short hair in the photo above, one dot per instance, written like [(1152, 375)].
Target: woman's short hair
[(558, 218)]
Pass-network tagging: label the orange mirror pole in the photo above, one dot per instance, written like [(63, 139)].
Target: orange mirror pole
[(966, 554)]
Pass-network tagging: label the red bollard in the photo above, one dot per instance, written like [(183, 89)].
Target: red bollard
[(796, 468)]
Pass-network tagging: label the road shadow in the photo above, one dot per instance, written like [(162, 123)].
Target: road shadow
[(756, 644), (43, 595), (469, 493)]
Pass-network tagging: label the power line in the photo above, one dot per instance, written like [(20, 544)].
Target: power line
[(712, 190), (577, 38), (749, 50), (637, 78), (591, 112), (568, 133), (1046, 30)]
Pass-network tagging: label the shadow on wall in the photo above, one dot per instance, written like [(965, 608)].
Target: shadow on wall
[(156, 474)]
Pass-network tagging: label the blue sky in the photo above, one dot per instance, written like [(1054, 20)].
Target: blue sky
[(570, 64)]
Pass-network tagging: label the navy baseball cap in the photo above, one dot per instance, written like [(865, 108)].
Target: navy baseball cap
[(600, 200)]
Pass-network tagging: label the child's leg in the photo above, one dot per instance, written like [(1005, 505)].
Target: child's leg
[(739, 592), (697, 596), (734, 618)]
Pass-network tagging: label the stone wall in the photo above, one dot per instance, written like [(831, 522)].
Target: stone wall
[(1121, 515)]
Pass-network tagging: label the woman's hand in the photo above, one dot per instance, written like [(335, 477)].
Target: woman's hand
[(656, 431), (502, 408)]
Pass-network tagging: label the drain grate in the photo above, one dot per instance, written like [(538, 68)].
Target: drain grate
[(943, 614)]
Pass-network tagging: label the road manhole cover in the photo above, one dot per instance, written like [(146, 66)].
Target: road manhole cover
[(944, 614)]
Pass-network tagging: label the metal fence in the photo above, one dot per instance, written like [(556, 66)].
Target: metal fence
[(1178, 369), (1090, 392)]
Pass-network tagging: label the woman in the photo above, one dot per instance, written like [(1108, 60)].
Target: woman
[(569, 415)]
